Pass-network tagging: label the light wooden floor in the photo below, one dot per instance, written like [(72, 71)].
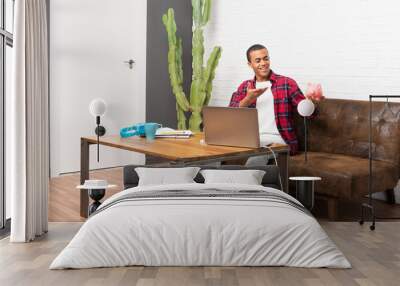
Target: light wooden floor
[(64, 197), (375, 257)]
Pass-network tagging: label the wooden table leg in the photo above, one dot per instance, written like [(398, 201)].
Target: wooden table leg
[(84, 197), (283, 164)]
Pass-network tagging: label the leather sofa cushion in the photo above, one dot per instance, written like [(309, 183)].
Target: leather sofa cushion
[(344, 176), (342, 127)]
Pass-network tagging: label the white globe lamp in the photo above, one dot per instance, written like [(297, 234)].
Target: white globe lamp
[(305, 108), (98, 108)]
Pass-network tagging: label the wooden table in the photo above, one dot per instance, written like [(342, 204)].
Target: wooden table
[(179, 152)]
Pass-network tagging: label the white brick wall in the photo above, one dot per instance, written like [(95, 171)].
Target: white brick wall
[(351, 47)]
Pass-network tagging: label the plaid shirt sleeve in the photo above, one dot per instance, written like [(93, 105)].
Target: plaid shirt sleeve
[(295, 93), (239, 94)]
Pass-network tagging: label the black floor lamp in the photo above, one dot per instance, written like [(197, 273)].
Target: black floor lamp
[(97, 108), (305, 108), (369, 206)]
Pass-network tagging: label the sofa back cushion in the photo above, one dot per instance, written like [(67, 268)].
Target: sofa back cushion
[(342, 127)]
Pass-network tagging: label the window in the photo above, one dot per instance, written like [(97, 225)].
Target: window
[(6, 44), (9, 19)]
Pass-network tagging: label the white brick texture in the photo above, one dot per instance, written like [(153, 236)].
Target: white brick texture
[(351, 47)]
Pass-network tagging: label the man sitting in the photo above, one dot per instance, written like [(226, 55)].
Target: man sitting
[(275, 103)]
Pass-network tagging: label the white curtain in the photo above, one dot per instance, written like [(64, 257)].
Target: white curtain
[(29, 148)]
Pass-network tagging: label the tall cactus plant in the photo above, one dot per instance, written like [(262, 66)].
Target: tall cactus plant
[(201, 87)]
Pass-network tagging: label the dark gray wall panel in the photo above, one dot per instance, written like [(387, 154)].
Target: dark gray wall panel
[(160, 101)]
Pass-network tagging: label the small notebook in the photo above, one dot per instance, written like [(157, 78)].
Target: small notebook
[(167, 132)]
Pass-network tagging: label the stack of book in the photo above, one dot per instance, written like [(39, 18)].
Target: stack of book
[(166, 132)]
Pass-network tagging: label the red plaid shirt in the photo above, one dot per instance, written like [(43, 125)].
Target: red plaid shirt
[(287, 95)]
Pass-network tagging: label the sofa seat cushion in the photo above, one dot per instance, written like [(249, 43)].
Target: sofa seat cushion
[(343, 176)]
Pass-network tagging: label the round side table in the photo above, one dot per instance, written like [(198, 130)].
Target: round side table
[(305, 190), (96, 190)]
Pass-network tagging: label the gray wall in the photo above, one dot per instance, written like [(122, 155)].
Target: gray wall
[(160, 101)]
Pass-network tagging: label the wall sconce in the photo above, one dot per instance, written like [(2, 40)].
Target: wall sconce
[(97, 108)]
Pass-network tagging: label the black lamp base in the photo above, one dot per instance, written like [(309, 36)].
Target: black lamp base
[(100, 130)]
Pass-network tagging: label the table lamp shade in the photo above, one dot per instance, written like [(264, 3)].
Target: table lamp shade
[(306, 107), (97, 107)]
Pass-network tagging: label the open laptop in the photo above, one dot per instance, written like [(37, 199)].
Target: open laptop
[(231, 126)]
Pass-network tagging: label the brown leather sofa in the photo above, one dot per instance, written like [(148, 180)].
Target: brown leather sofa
[(338, 150)]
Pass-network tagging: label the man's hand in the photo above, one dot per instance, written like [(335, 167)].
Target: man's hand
[(314, 93), (251, 96), (315, 99)]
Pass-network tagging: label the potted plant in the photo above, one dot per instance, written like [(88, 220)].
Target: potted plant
[(201, 86)]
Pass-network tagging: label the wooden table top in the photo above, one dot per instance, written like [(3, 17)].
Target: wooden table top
[(190, 149)]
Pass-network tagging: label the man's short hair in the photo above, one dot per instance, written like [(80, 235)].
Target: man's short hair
[(255, 47)]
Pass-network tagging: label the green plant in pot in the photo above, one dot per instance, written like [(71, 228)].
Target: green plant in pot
[(201, 86)]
